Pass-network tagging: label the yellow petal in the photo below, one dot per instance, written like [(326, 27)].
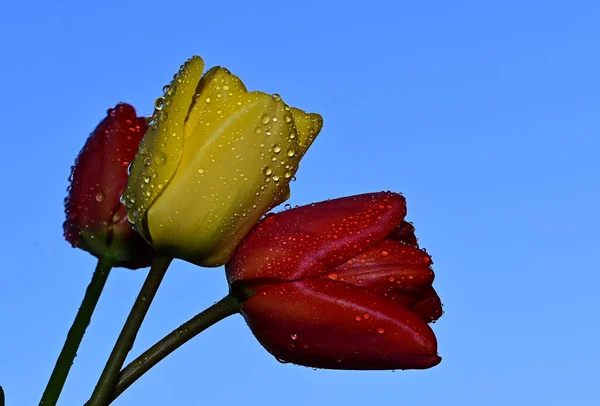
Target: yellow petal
[(238, 160), (161, 148), (218, 92), (308, 125)]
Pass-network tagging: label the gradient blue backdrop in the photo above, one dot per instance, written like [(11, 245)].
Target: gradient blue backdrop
[(486, 115)]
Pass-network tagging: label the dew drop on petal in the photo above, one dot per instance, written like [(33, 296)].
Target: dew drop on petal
[(160, 158)]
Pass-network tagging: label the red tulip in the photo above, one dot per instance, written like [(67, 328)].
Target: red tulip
[(96, 218), (339, 284)]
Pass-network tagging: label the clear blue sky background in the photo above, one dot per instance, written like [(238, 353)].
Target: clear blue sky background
[(486, 115)]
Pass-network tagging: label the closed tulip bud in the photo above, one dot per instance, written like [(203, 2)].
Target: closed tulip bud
[(339, 284), (96, 219), (215, 159)]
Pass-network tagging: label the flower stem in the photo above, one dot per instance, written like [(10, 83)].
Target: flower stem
[(76, 332), (108, 380), (159, 351)]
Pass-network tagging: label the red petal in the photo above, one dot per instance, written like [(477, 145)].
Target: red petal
[(405, 233), (308, 240), (328, 324), (390, 267), (98, 179), (429, 307)]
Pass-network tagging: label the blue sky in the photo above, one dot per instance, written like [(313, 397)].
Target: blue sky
[(486, 115)]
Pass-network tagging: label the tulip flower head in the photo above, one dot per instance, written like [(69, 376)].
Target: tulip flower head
[(215, 159), (339, 284), (96, 219)]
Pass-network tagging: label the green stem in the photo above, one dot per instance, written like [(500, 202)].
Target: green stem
[(159, 351), (76, 332), (108, 380)]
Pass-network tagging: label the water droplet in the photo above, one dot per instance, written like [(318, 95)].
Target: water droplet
[(276, 149), (358, 318), (267, 171), (294, 336), (99, 197), (287, 174), (290, 153), (366, 316), (275, 178), (159, 103), (165, 88), (265, 119), (380, 330), (147, 179), (384, 253), (160, 158), (282, 361), (287, 118), (201, 171), (225, 87), (258, 130), (276, 97), (287, 206)]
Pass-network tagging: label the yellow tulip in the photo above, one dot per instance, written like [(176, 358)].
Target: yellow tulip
[(214, 160)]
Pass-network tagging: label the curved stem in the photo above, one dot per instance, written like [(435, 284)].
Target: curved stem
[(159, 351), (108, 380), (76, 332)]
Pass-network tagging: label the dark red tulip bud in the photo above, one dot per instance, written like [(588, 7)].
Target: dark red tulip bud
[(96, 218), (339, 284)]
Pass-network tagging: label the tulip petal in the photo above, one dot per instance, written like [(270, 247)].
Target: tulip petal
[(219, 94), (405, 233), (308, 126), (237, 163), (95, 215), (309, 240), (161, 148), (388, 268), (429, 307), (328, 324)]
